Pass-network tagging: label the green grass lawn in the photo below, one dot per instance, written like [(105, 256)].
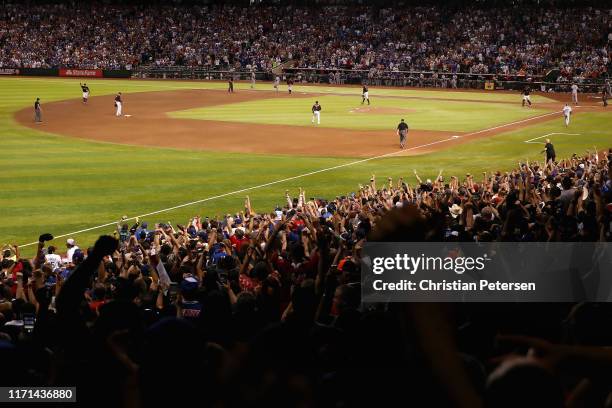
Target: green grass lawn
[(342, 112), (56, 184)]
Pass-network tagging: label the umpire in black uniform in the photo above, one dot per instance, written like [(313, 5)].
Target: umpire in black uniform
[(402, 132)]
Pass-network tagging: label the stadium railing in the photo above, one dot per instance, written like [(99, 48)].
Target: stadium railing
[(148, 72), (424, 79)]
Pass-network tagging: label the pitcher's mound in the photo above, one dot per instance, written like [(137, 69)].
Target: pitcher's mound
[(381, 110)]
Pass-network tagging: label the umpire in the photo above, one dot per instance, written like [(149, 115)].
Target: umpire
[(402, 132), (550, 151)]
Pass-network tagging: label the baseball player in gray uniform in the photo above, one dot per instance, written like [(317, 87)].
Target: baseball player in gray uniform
[(37, 111), (575, 94)]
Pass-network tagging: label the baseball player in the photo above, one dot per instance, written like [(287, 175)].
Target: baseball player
[(85, 90), (118, 105), (567, 112), (402, 132), (276, 83), (365, 95), (37, 111), (252, 79), (290, 85), (526, 96), (604, 96), (575, 94), (316, 113), (230, 85)]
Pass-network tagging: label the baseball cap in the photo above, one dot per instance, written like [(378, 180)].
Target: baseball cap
[(455, 210), (70, 241), (189, 284), (78, 256)]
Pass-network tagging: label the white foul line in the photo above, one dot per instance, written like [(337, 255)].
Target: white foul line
[(550, 134), (108, 224)]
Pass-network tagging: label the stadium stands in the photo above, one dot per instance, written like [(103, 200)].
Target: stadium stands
[(512, 40)]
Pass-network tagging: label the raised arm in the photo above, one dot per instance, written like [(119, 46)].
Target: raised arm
[(71, 294)]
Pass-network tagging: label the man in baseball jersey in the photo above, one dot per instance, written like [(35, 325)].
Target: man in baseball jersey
[(252, 79), (567, 111), (365, 95), (402, 132), (290, 85), (526, 96), (118, 105), (604, 96), (85, 90), (316, 113), (276, 83), (37, 111), (575, 94), (230, 85)]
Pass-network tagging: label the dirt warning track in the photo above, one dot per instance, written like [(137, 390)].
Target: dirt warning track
[(149, 125)]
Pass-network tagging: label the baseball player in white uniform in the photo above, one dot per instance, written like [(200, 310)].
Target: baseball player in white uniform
[(316, 113), (575, 94), (118, 105), (276, 83), (85, 90), (252, 79), (567, 112), (365, 95), (526, 96)]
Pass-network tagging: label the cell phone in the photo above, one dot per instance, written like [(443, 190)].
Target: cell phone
[(173, 289), (28, 322), (223, 278)]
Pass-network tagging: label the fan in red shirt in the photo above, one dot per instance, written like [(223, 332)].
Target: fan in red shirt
[(238, 239)]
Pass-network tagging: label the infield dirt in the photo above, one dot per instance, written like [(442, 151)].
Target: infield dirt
[(146, 123)]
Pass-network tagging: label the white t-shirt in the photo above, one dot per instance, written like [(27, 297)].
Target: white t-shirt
[(70, 253), (574, 88), (567, 110), (54, 259)]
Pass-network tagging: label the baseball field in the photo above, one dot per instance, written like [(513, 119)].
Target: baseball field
[(185, 148)]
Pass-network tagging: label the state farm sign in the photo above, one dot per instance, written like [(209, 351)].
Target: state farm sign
[(97, 73)]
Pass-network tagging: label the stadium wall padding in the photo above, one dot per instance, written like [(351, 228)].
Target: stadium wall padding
[(116, 73), (75, 73)]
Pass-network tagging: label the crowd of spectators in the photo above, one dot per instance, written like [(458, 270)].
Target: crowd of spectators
[(262, 308), (512, 40)]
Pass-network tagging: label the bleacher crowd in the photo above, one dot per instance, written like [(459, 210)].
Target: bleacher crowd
[(262, 308), (516, 39)]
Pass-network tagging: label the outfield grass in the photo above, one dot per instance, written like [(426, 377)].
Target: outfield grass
[(343, 112), (59, 184)]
